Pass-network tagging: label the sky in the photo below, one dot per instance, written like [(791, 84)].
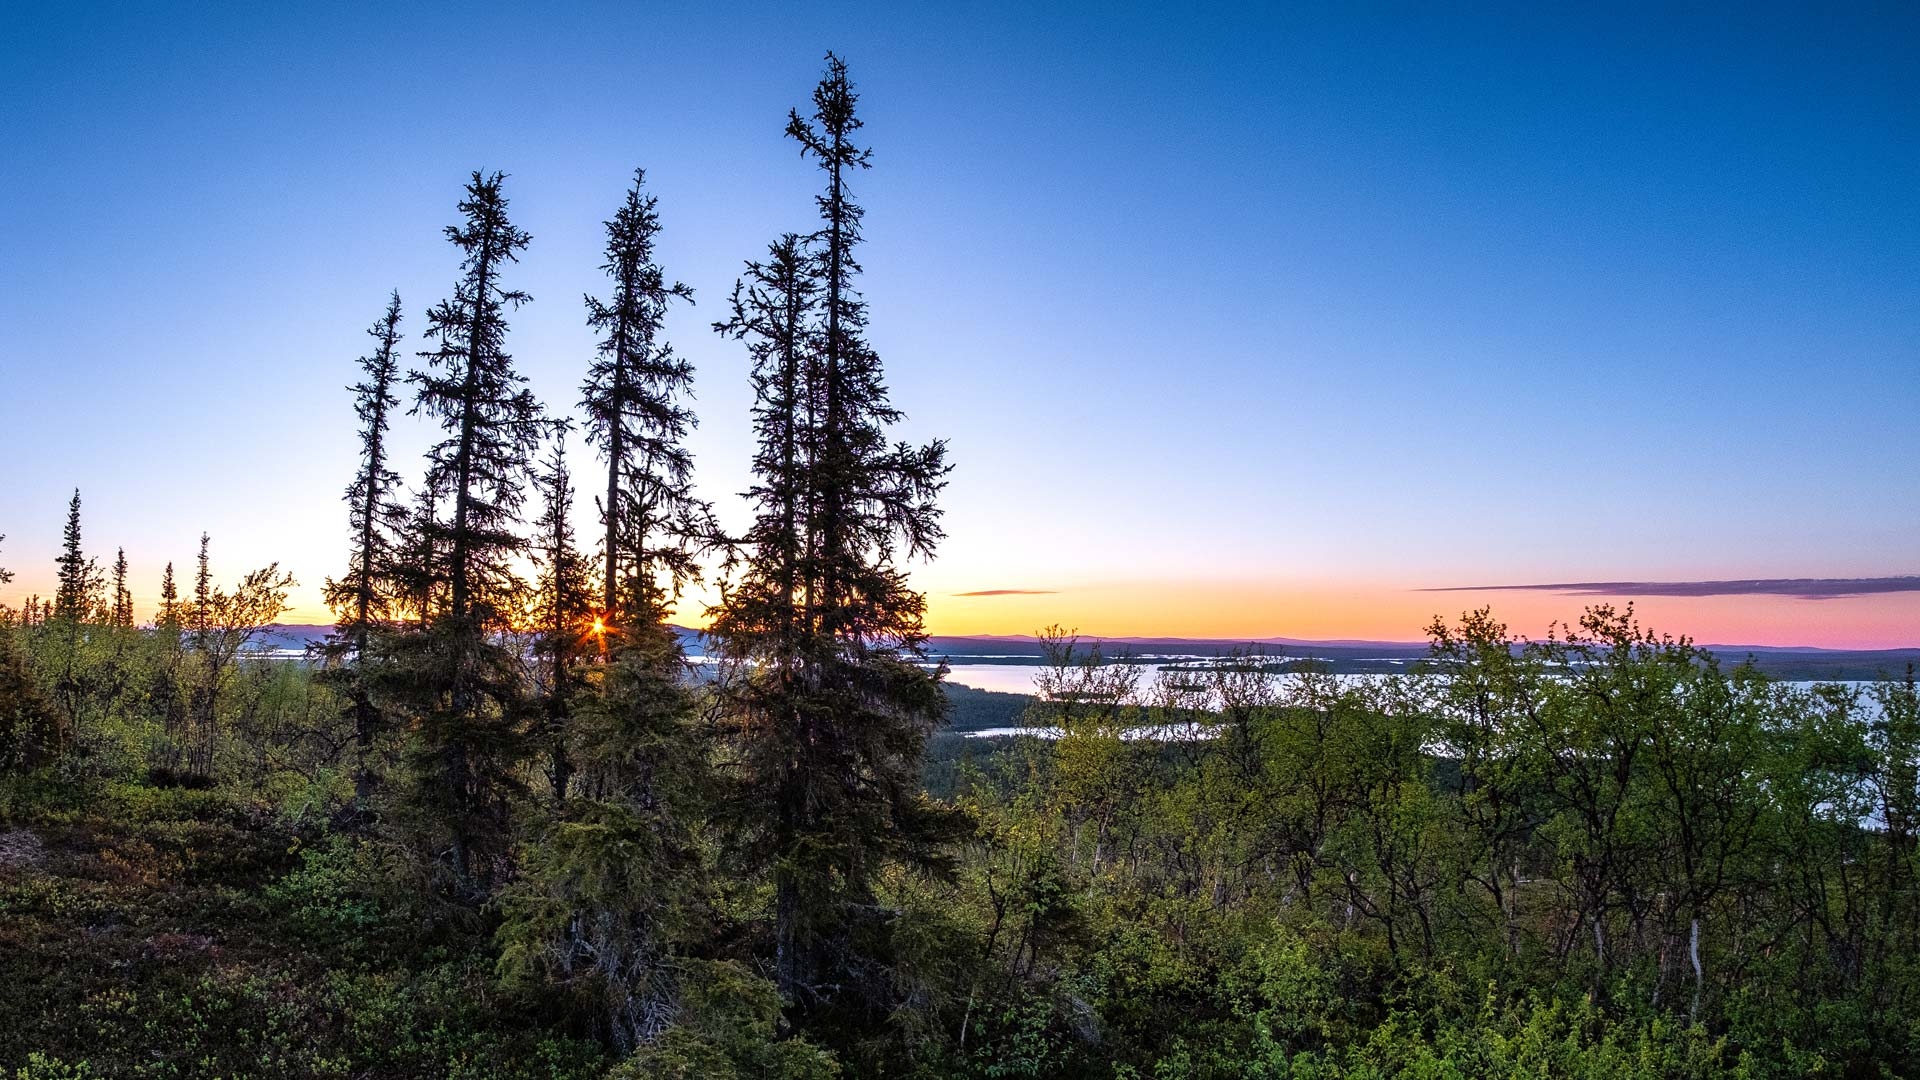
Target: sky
[(1239, 322)]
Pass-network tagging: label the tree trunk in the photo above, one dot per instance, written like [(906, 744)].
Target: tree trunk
[(1699, 975)]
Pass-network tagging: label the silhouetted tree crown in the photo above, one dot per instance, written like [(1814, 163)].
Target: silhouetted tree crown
[(635, 398), (362, 597), (492, 421), (79, 577), (122, 616)]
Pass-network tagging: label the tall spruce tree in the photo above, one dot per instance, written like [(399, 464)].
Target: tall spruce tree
[(610, 893), (460, 681), (838, 708), (634, 399), (199, 699), (614, 892), (363, 598)]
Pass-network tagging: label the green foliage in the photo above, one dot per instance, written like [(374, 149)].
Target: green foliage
[(345, 894), (467, 701), (182, 933), (616, 881), (727, 1030), (28, 728), (1503, 866), (41, 1067)]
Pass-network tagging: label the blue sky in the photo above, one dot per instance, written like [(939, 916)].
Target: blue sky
[(1297, 304)]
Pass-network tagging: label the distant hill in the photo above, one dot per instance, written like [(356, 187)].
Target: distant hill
[(1820, 665), (1022, 649)]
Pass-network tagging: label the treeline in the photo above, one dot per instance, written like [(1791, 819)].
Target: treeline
[(495, 827), (97, 667)]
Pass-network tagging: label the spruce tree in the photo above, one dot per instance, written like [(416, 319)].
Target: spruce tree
[(362, 599), (562, 612), (122, 616), (200, 615), (75, 602), (460, 681), (111, 671), (165, 692), (771, 309), (634, 398), (614, 888), (493, 424), (76, 594), (838, 708), (201, 683), (168, 617)]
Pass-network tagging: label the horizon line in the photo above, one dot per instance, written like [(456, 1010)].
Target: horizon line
[(1793, 588)]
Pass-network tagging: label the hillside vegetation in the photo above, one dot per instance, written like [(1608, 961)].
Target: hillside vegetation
[(493, 826), (1603, 857)]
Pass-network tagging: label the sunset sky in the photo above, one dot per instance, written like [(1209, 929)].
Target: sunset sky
[(1239, 326)]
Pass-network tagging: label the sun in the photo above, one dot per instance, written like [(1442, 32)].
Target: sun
[(599, 625)]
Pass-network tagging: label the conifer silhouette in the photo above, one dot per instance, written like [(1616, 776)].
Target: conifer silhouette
[(835, 712)]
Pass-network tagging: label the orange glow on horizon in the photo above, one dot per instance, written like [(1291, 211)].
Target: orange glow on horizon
[(1323, 611), (1251, 611)]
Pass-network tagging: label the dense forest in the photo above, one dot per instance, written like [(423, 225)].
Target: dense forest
[(497, 825)]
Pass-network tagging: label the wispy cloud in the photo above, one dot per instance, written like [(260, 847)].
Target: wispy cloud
[(1797, 588), (1008, 592)]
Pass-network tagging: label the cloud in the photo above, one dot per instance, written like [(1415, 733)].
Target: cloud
[(1797, 588), (1008, 592)]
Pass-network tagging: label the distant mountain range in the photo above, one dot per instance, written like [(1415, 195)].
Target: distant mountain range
[(1346, 656)]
